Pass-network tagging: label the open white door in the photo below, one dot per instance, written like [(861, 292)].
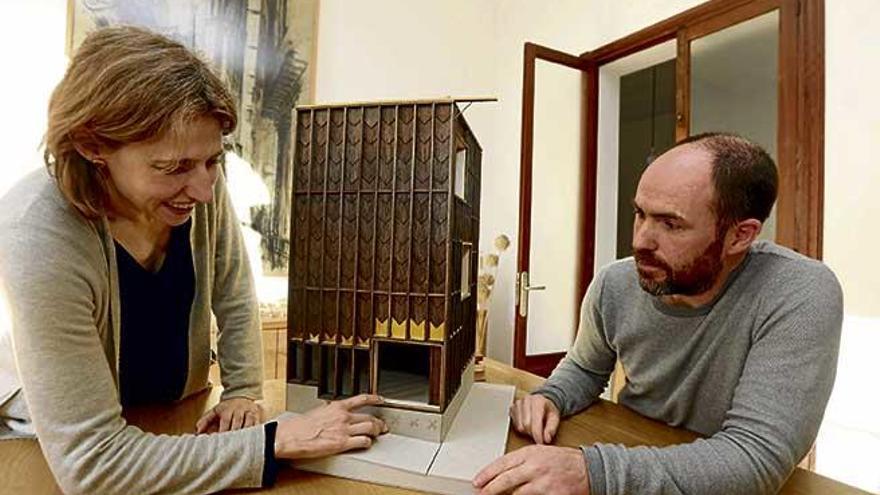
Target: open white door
[(557, 198)]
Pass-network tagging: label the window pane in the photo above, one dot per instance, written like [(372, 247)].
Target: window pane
[(734, 85)]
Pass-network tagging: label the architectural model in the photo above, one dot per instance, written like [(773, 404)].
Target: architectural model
[(383, 259)]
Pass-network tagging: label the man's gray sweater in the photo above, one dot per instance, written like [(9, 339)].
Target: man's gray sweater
[(752, 371)]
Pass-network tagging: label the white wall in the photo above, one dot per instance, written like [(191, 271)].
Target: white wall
[(32, 40), (607, 168), (850, 435), (852, 133)]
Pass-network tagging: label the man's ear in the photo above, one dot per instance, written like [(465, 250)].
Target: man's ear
[(742, 234)]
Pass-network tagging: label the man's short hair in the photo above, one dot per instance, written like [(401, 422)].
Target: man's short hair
[(743, 174)]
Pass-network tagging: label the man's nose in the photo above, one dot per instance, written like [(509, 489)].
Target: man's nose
[(643, 237)]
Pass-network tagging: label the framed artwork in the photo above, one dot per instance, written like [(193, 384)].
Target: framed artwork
[(264, 50)]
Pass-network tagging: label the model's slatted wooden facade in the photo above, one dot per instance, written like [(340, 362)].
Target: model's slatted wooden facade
[(380, 228)]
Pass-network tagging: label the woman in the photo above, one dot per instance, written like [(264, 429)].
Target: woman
[(112, 261)]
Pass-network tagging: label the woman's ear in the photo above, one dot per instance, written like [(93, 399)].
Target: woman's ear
[(88, 147), (743, 234)]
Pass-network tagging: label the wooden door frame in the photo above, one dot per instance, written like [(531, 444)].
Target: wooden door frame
[(800, 129), (543, 364)]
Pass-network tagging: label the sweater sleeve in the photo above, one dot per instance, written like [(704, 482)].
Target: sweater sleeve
[(773, 419), (582, 375), (56, 294), (234, 302)]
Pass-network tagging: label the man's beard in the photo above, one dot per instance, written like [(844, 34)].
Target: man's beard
[(696, 277)]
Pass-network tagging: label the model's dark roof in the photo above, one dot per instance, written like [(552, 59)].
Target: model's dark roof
[(424, 101)]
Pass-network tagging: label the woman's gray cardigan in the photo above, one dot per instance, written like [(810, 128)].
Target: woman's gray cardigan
[(60, 326)]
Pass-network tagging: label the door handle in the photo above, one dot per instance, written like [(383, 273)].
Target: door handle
[(523, 293)]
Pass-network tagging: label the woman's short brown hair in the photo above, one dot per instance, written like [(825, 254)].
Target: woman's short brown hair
[(125, 85)]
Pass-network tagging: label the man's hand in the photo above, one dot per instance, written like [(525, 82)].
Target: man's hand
[(535, 416), (329, 429), (231, 414), (536, 469)]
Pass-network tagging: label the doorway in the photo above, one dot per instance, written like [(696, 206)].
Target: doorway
[(754, 67)]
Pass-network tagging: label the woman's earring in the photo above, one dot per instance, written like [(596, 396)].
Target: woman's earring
[(101, 167)]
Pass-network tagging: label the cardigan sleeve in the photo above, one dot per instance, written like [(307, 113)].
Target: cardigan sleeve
[(234, 302)]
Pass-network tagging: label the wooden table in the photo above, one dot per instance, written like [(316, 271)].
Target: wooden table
[(24, 470)]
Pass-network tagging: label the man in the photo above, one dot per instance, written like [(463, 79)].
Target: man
[(717, 333)]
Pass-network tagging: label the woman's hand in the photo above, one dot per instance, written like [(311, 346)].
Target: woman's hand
[(329, 429), (231, 414)]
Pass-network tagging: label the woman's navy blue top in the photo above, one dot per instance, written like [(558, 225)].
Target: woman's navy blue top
[(154, 347)]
